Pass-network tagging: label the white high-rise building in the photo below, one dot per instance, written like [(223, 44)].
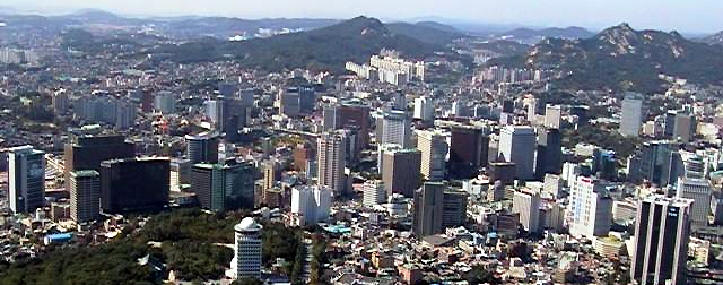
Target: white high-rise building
[(374, 193), (165, 102), (84, 195), (396, 128), (552, 116), (590, 208), (433, 146), (331, 161), (700, 192), (310, 205), (517, 145), (631, 115), (424, 108), (247, 250), (26, 178), (527, 203)]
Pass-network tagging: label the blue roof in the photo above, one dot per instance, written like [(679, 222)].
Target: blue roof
[(337, 229), (62, 236)]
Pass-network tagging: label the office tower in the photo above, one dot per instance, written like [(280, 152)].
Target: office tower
[(348, 115), (146, 101), (631, 115), (310, 204), (656, 162), (660, 249), (223, 187), (395, 129), (428, 209), (700, 191), (61, 102), (401, 171), (125, 115), (297, 100), (180, 173), (604, 164), (467, 152), (26, 179), (374, 193), (202, 148), (549, 154), (215, 113), (504, 172), (591, 208), (527, 202), (271, 174), (134, 184), (517, 145), (330, 117), (246, 261), (433, 148), (165, 102), (87, 152), (454, 208), (331, 162), (552, 116), (496, 192), (227, 115), (424, 108), (84, 195), (684, 126), (303, 153)]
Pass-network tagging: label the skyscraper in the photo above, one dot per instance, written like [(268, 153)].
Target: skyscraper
[(700, 191), (684, 126), (87, 152), (517, 145), (549, 154), (454, 208), (433, 147), (395, 129), (310, 204), (631, 115), (590, 207), (247, 250), (165, 102), (656, 163), (467, 152), (202, 148), (527, 202), (348, 115), (424, 108), (84, 195), (552, 116), (331, 162), (223, 187), (401, 171), (374, 193), (134, 184), (26, 179), (660, 251), (428, 209)]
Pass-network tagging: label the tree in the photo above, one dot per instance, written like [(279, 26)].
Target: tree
[(481, 275), (248, 281)]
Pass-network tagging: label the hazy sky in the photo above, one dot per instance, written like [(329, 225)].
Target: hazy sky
[(691, 16)]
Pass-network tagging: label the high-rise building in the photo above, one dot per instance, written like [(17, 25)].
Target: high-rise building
[(350, 116), (684, 126), (424, 108), (527, 203), (165, 102), (227, 114), (26, 179), (467, 152), (401, 171), (549, 154), (454, 208), (504, 172), (631, 117), (700, 191), (134, 184), (202, 148), (223, 187), (433, 147), (374, 193), (590, 207), (246, 262), (84, 195), (61, 102), (87, 152), (660, 249), (180, 173), (331, 162), (552, 116), (310, 204), (517, 145), (271, 174), (395, 129), (428, 209), (656, 163)]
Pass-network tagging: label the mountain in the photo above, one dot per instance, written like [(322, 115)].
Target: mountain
[(503, 47), (427, 31), (532, 36), (324, 48), (715, 39), (621, 58)]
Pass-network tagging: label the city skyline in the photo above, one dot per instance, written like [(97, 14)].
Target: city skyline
[(681, 16)]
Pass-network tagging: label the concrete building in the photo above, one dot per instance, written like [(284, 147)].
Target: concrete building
[(310, 205), (527, 203), (202, 148), (552, 116), (84, 195), (467, 152), (331, 162), (700, 191), (433, 147), (165, 102), (631, 118), (660, 248), (424, 108), (134, 184), (223, 187), (401, 171), (517, 145), (395, 129), (374, 193), (26, 179), (246, 262), (428, 209), (590, 209)]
